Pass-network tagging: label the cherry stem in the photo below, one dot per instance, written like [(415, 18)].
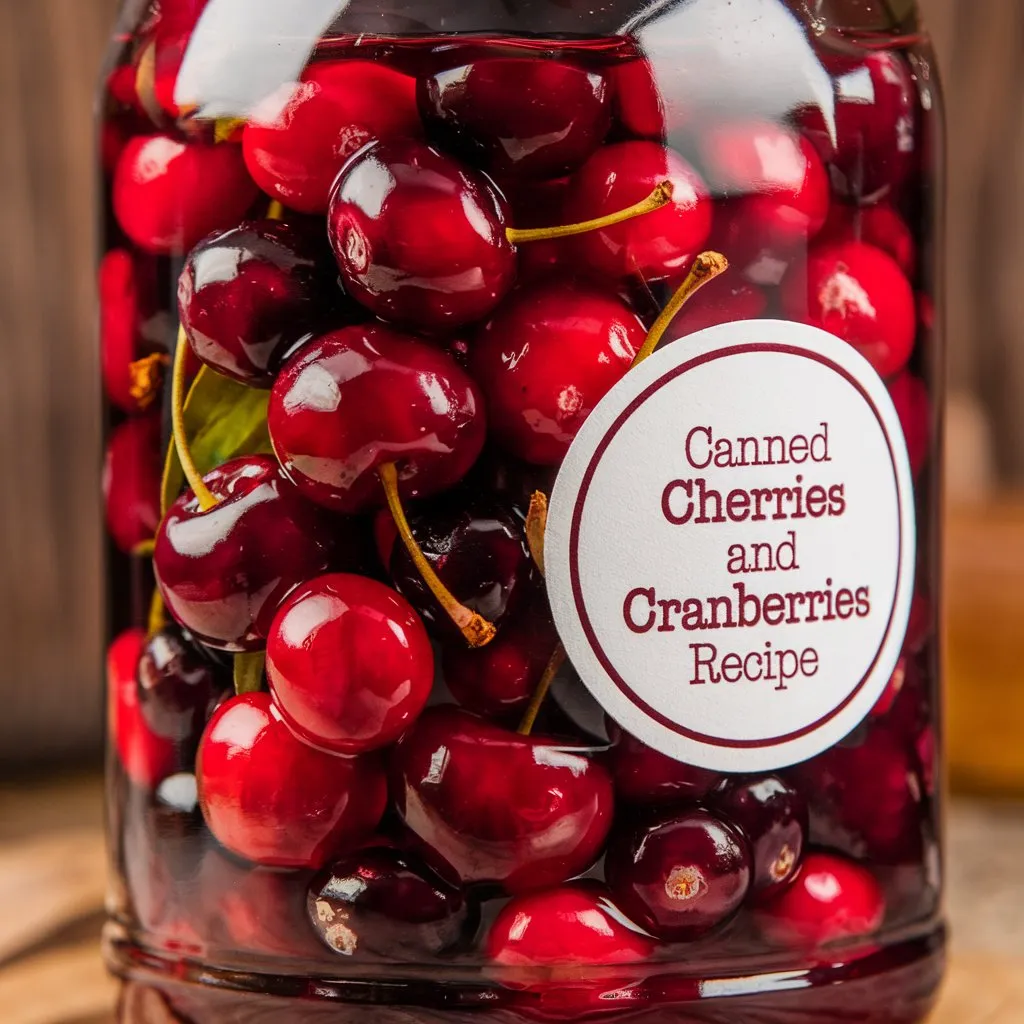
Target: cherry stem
[(247, 670), (144, 549), (661, 196), (157, 617), (475, 628), (556, 661), (275, 211), (706, 267), (536, 524), (192, 474)]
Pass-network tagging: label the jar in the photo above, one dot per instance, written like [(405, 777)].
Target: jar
[(522, 490)]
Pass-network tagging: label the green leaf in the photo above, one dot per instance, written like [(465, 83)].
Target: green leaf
[(249, 672), (223, 418)]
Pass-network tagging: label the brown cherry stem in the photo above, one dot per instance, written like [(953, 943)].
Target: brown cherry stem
[(706, 267), (556, 661), (536, 524), (661, 196), (192, 474), (475, 628)]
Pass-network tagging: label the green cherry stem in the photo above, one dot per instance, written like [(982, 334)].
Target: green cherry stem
[(275, 211), (192, 474)]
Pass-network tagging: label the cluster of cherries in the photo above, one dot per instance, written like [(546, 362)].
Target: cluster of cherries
[(431, 351)]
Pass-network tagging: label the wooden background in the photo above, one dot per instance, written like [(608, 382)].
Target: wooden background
[(50, 598)]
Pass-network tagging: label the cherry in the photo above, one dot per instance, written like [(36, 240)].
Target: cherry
[(573, 925), (832, 898), (169, 194), (534, 205), (773, 817), (131, 481), (546, 358), (147, 757), (679, 876), (913, 404), (219, 576), (645, 776), (298, 140), (386, 902), (859, 294), (353, 400), (893, 688), (725, 300), (170, 37), (639, 105), (656, 245), (248, 295), (878, 225), (493, 806), (518, 118), (349, 663), (275, 801)]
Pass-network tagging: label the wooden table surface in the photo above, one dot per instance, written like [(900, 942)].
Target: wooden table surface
[(52, 870)]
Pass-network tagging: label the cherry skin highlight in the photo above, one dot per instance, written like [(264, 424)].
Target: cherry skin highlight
[(546, 358), (355, 399), (131, 481), (273, 800), (349, 663)]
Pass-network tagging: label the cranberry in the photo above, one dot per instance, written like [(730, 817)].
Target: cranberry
[(679, 876), (518, 118), (724, 300), (298, 141), (645, 776), (879, 225), (573, 925), (169, 194), (493, 806), (914, 407), (352, 400), (831, 899), (386, 902), (248, 295), (131, 481), (349, 663), (656, 245), (639, 105), (219, 576), (420, 239), (180, 685), (772, 816), (545, 360), (859, 294), (273, 800), (147, 757)]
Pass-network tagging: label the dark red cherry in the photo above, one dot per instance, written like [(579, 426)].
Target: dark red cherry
[(859, 294), (147, 757), (638, 103), (647, 777), (832, 898), (539, 204), (299, 139), (386, 902), (656, 245), (546, 358), (893, 689), (878, 225), (352, 400), (724, 300), (772, 815), (248, 295), (131, 480), (493, 806), (349, 663), (914, 406), (515, 117), (419, 238), (224, 572), (169, 194), (273, 800), (680, 875), (573, 925)]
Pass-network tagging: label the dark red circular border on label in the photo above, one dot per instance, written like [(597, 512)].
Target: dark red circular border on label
[(577, 515)]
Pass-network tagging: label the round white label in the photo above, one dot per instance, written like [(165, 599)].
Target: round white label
[(730, 546)]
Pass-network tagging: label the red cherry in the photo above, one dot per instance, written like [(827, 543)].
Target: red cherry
[(272, 800), (575, 925), (494, 806), (147, 758), (724, 300), (893, 688), (859, 294), (639, 107), (645, 776), (300, 137), (831, 899), (349, 663), (913, 404), (171, 35), (131, 481), (545, 360), (656, 245), (219, 576), (878, 225), (355, 399), (518, 118), (169, 194)]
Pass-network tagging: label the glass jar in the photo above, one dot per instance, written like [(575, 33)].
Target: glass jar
[(522, 489)]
